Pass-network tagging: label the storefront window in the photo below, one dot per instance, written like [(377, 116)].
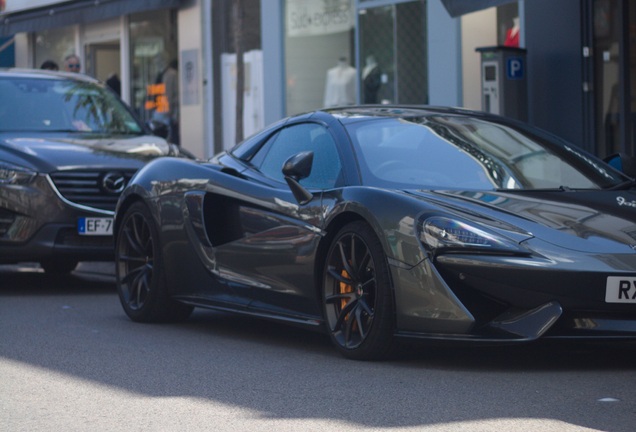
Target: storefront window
[(53, 45), (153, 45), (377, 51), (393, 54), (233, 32), (508, 25), (614, 46), (319, 54)]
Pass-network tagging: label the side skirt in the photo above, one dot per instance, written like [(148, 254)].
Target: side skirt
[(311, 323)]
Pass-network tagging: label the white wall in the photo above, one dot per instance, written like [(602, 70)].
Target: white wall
[(22, 51), (273, 60), (479, 29), (253, 104), (192, 116)]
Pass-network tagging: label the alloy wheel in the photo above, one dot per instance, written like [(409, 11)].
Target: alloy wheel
[(350, 291), (135, 260)]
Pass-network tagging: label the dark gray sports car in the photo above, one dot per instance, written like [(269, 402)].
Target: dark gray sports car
[(68, 146), (378, 222)]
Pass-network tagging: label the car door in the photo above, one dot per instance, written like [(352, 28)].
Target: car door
[(276, 251)]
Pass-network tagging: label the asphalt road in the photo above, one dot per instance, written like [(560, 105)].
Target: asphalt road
[(70, 360)]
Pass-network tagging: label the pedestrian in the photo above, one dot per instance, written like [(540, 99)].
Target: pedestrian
[(72, 63), (49, 65), (114, 83), (170, 79)]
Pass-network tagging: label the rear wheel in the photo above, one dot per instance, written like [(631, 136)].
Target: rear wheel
[(357, 296), (138, 260)]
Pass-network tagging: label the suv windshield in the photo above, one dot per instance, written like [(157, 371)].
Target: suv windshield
[(460, 152), (50, 105)]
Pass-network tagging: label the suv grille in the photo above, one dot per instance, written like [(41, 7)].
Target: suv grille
[(97, 189), (6, 220)]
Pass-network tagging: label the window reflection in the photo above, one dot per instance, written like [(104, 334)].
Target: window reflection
[(455, 152), (53, 45), (153, 45), (62, 106)]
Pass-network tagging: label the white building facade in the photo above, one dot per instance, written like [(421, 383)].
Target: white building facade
[(394, 51)]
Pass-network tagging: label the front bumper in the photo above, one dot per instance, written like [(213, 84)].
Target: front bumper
[(512, 299), (36, 223)]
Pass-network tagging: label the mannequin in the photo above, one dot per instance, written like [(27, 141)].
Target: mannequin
[(371, 81), (512, 35), (340, 86)]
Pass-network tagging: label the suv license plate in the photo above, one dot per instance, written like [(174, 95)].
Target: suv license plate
[(620, 289), (95, 226)]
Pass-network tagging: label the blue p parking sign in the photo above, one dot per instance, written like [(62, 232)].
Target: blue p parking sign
[(514, 68)]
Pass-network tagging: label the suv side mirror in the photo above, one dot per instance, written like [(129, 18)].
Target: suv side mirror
[(158, 128), (623, 162)]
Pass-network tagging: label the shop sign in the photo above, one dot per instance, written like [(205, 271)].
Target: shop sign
[(148, 47), (312, 18)]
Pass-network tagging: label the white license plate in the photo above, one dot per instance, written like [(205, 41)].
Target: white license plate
[(95, 226), (620, 289)]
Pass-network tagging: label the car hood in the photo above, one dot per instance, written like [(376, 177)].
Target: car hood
[(46, 154), (591, 221)]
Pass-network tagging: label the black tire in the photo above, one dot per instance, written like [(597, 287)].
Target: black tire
[(357, 296), (141, 285), (58, 266)]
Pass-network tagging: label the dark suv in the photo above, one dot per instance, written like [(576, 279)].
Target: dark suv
[(68, 147)]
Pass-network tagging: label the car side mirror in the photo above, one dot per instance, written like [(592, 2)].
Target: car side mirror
[(298, 166), (158, 128), (295, 169), (623, 162)]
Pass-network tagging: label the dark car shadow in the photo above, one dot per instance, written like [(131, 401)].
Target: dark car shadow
[(542, 355), (258, 331), (30, 279)]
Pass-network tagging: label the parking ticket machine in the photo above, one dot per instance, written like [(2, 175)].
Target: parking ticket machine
[(504, 88)]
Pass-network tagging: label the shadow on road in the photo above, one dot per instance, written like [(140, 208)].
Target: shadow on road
[(545, 355), (73, 325), (30, 279)]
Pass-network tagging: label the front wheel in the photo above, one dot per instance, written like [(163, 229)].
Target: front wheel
[(357, 296), (138, 261)]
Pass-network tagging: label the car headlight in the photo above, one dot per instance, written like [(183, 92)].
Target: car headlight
[(14, 174), (439, 232)]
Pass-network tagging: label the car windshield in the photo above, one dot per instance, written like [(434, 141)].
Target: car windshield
[(62, 105), (460, 152)]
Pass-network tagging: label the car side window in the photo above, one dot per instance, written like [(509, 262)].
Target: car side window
[(326, 168)]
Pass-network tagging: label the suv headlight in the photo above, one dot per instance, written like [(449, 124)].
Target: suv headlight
[(15, 175), (439, 232)]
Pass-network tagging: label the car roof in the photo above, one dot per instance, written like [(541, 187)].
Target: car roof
[(354, 112), (360, 113), (44, 74)]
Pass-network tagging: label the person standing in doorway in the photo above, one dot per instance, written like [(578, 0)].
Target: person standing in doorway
[(72, 63), (114, 83), (170, 79), (49, 65)]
